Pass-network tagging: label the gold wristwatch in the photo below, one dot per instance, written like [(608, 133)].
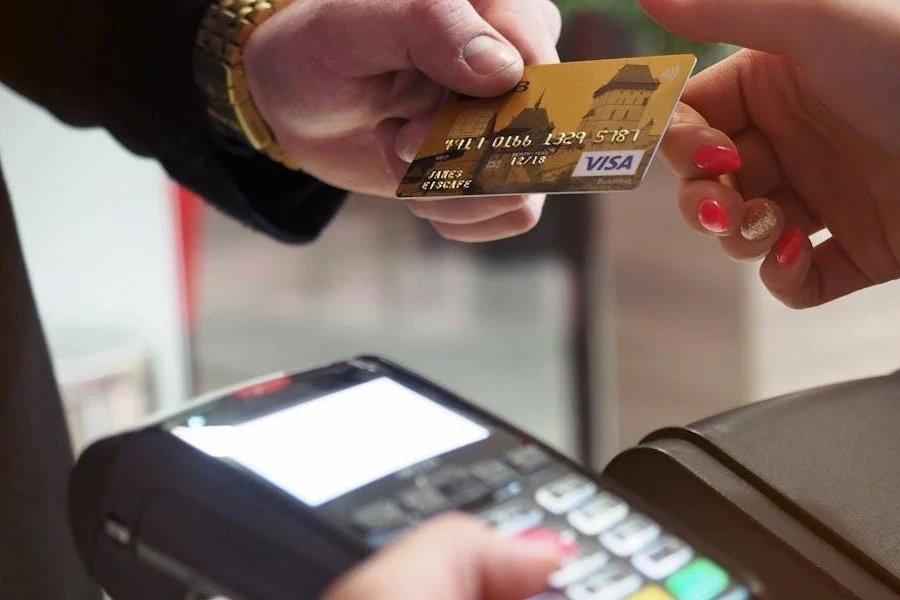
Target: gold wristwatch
[(219, 72)]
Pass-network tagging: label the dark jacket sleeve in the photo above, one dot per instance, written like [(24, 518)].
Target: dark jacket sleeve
[(125, 65)]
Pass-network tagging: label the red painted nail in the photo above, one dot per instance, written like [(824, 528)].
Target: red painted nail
[(713, 217), (717, 159), (565, 546), (788, 248)]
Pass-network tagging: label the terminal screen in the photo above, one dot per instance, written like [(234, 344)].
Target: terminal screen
[(324, 448)]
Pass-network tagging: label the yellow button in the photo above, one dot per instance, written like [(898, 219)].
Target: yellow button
[(651, 593)]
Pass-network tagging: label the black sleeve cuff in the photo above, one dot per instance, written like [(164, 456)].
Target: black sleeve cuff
[(289, 206), (292, 207)]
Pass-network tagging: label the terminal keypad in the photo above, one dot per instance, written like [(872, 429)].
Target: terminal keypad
[(610, 551)]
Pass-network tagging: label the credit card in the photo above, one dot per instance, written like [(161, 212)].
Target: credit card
[(578, 127)]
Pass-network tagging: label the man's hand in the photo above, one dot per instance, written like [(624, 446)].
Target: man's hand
[(453, 557), (349, 88)]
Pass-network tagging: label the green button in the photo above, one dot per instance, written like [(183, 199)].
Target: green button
[(700, 580)]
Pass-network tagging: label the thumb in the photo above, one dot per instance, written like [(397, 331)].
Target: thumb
[(787, 27), (454, 557), (453, 45)]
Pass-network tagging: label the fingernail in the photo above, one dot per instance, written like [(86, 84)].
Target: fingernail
[(758, 223), (535, 554), (713, 217), (717, 159), (407, 152), (546, 538), (487, 56), (788, 249)]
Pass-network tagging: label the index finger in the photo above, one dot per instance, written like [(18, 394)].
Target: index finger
[(718, 93), (693, 149), (711, 115)]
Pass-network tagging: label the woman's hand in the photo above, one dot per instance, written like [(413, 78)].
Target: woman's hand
[(349, 87), (797, 134)]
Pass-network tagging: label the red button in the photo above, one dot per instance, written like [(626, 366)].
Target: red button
[(568, 546)]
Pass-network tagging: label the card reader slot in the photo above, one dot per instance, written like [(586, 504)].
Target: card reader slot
[(815, 524)]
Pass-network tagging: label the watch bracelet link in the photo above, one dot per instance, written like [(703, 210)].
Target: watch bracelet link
[(219, 72)]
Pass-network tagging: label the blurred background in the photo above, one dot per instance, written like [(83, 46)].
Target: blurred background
[(609, 320)]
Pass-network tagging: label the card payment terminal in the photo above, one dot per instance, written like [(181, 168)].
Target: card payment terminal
[(274, 489)]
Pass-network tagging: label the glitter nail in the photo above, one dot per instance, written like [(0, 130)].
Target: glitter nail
[(759, 222)]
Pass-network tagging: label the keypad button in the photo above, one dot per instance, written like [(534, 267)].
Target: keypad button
[(653, 592), (565, 493), (613, 582), (630, 535), (578, 569), (598, 514), (379, 516), (700, 580), (512, 519), (585, 545), (425, 501), (459, 487), (493, 474), (508, 492), (528, 459), (377, 540), (662, 558)]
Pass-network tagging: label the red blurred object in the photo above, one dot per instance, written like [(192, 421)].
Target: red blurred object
[(261, 389), (189, 212), (567, 547)]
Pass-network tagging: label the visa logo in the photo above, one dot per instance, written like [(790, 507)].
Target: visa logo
[(609, 163)]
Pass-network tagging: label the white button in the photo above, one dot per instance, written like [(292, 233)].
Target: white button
[(565, 493), (663, 558), (613, 583), (578, 569), (598, 514), (631, 535), (512, 519)]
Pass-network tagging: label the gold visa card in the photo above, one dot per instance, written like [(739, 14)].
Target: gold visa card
[(578, 127)]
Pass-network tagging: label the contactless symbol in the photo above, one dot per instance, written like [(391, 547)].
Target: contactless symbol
[(670, 73)]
